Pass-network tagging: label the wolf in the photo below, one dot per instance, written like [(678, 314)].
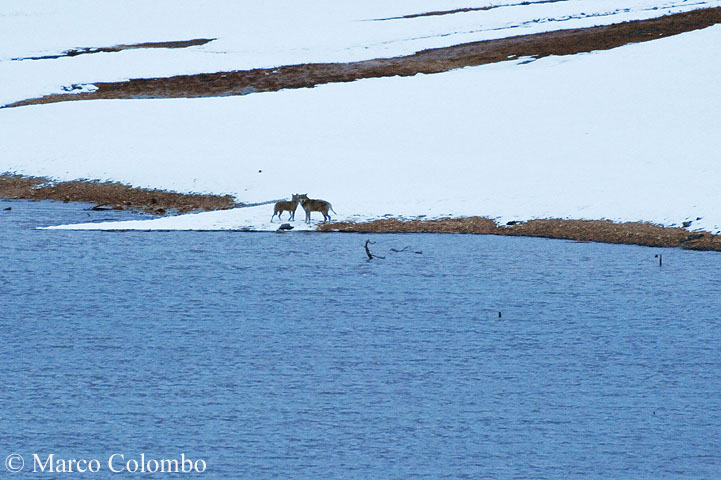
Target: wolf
[(283, 206), (315, 205)]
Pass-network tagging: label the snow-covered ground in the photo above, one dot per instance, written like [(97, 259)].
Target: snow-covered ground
[(264, 34), (627, 134)]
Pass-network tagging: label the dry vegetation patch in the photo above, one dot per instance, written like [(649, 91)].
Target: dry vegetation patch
[(633, 233), (110, 195), (74, 52), (561, 42), (436, 13)]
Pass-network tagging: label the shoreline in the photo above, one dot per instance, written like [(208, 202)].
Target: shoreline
[(600, 231), (110, 195)]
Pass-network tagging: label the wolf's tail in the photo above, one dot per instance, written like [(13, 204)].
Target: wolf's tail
[(331, 209)]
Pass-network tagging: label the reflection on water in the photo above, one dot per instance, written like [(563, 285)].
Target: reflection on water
[(291, 356)]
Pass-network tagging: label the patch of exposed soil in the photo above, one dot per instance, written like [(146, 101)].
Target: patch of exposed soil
[(634, 233), (110, 195), (562, 42), (119, 48), (436, 13)]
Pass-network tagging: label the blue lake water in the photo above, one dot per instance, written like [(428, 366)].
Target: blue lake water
[(291, 356)]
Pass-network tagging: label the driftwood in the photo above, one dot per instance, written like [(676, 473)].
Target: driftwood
[(371, 256), (404, 249), (368, 251)]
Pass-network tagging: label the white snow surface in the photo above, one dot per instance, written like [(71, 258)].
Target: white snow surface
[(264, 34), (628, 134)]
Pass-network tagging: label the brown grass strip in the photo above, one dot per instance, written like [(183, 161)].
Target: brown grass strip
[(110, 195), (605, 231), (119, 48), (436, 13), (562, 42)]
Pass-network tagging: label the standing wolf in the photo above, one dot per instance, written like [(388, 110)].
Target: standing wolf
[(315, 205), (290, 207)]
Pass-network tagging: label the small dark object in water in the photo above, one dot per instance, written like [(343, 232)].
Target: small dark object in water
[(395, 250), (499, 314), (8, 209), (101, 208), (286, 226), (368, 251), (660, 259)]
